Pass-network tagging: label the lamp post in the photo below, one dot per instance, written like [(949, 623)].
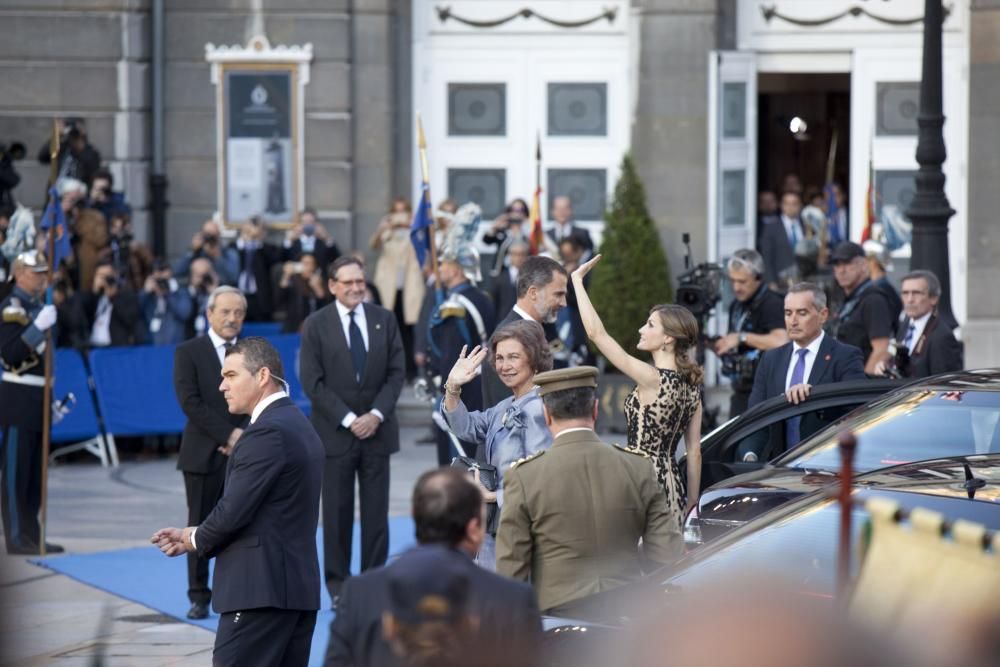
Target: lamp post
[(929, 211)]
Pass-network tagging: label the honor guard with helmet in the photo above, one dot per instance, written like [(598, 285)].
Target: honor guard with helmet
[(25, 319), (464, 316), (573, 514)]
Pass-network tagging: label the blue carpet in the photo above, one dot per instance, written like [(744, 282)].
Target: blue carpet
[(146, 576)]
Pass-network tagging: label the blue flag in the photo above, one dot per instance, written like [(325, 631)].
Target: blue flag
[(53, 217), (420, 230), (832, 214)]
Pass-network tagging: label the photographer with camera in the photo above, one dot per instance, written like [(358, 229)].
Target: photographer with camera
[(756, 324), (506, 230), (303, 291), (207, 244), (103, 198), (166, 307), (202, 279), (77, 158), (110, 310)]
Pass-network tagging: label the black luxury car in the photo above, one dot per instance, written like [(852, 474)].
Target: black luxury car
[(797, 541), (947, 415)]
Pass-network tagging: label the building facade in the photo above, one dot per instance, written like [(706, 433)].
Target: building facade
[(700, 91)]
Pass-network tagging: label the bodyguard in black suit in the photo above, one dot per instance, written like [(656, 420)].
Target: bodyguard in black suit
[(925, 344), (211, 430), (256, 259), (448, 513), (541, 293), (810, 358), (353, 370), (263, 530)]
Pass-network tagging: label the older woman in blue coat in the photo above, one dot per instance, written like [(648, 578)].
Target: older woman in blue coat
[(515, 427)]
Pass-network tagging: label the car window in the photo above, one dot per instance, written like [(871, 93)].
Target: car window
[(910, 426), (769, 441), (806, 537)]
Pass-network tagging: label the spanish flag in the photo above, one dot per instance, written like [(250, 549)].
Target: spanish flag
[(870, 204), (536, 239)]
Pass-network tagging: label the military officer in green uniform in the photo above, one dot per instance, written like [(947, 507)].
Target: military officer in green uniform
[(24, 322), (574, 514)]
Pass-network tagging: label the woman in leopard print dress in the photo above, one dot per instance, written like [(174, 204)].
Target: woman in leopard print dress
[(666, 402)]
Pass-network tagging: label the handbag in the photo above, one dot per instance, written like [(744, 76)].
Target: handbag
[(489, 478)]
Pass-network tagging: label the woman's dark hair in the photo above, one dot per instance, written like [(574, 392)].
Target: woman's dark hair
[(531, 336), (680, 324)]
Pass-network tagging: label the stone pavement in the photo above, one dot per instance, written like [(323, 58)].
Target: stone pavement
[(49, 619)]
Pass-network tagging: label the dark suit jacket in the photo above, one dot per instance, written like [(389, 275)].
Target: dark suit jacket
[(197, 375), (324, 254), (510, 625), (503, 292), (776, 249), (260, 266), (328, 380), (580, 232), (263, 530), (835, 362), (936, 351), (126, 324)]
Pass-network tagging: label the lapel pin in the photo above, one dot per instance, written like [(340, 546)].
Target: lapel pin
[(826, 358), (377, 327)]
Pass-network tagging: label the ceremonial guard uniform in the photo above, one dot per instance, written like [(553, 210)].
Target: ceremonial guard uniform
[(465, 316), (22, 351), (573, 514)]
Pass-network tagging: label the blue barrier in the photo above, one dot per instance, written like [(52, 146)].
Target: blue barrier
[(135, 390), (288, 346), (263, 329), (71, 376)]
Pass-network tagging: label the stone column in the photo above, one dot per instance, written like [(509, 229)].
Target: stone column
[(669, 135), (981, 332)]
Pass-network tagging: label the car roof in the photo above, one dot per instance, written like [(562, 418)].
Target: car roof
[(940, 476), (983, 379)]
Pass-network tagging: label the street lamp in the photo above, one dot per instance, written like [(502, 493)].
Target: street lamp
[(929, 211)]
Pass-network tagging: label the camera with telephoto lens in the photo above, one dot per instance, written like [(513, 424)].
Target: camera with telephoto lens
[(740, 368), (699, 289)]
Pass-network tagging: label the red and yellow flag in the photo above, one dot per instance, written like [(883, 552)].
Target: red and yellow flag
[(536, 239), (870, 204)]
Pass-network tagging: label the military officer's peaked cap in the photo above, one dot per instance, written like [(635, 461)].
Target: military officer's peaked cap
[(33, 260), (566, 378)]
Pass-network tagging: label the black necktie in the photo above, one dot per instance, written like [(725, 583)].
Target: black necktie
[(358, 353)]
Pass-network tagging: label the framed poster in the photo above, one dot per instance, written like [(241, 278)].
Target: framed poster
[(259, 126)]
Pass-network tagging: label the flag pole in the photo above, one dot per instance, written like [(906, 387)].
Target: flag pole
[(824, 232), (50, 242), (426, 193)]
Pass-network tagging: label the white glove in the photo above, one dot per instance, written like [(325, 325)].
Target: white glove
[(45, 318)]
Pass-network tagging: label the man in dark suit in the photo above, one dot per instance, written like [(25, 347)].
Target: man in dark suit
[(449, 515), (925, 346), (212, 430), (263, 529), (541, 293), (503, 290), (564, 226), (310, 236), (109, 313), (353, 369), (810, 358), (256, 259), (777, 239)]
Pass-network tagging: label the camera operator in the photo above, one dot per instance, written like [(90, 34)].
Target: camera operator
[(756, 324), (303, 291), (166, 307), (507, 230), (77, 158), (202, 279), (311, 237), (207, 244), (110, 310)]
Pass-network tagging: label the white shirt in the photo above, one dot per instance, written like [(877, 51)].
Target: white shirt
[(264, 402), (219, 343), (100, 334), (523, 313), (813, 348), (513, 272), (345, 322), (918, 330)]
